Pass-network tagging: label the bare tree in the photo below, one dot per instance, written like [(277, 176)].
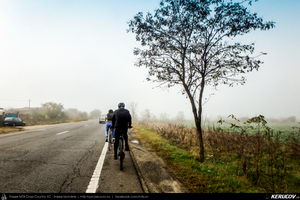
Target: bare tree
[(164, 117), (75, 114), (133, 110), (95, 114), (53, 111), (180, 117), (146, 115), (190, 43)]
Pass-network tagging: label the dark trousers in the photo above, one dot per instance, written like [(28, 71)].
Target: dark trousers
[(118, 132)]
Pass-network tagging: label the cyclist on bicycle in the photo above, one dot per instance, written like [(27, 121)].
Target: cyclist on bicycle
[(108, 120), (121, 121)]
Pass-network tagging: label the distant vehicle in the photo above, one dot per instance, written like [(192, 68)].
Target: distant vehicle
[(13, 121), (11, 115), (102, 119)]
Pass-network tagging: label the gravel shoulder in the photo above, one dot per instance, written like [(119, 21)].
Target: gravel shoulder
[(153, 172)]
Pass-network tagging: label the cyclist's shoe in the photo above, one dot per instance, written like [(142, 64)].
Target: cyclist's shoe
[(106, 140), (127, 149), (115, 157)]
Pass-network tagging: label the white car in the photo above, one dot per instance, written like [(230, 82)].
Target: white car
[(102, 119)]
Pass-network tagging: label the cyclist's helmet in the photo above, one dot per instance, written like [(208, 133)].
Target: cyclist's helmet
[(121, 105), (110, 111)]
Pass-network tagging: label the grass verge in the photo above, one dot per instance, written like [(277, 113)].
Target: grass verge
[(10, 129), (4, 130), (33, 123), (209, 177)]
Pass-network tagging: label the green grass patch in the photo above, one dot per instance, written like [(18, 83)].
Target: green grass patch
[(211, 176)]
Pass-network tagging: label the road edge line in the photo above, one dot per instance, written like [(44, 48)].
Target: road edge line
[(94, 182)]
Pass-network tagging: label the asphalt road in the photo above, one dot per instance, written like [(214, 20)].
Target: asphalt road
[(60, 159)]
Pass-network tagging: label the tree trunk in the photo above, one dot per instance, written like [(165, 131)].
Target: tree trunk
[(200, 139), (198, 120), (199, 124)]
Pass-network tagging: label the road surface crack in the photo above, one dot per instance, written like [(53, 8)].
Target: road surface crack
[(67, 184)]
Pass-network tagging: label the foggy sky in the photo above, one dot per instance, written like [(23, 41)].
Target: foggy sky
[(78, 53)]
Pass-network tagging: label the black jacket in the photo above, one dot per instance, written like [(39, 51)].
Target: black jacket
[(109, 116), (121, 119)]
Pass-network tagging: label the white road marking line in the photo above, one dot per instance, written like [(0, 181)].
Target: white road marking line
[(93, 185), (62, 132), (86, 125)]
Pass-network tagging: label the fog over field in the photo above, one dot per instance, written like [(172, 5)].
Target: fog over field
[(79, 53)]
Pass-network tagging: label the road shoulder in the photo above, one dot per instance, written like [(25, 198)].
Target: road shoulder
[(153, 172), (112, 180)]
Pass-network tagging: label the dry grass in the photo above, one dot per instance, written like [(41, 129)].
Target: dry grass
[(48, 122), (4, 130), (207, 177), (262, 157), (10, 129)]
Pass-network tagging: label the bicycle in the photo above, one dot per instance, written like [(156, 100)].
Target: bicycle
[(120, 148), (110, 141)]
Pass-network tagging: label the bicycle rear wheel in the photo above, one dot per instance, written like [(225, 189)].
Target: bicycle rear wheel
[(122, 154), (109, 140)]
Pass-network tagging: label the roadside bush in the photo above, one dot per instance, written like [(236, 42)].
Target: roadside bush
[(49, 113), (259, 152), (293, 144), (258, 149)]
